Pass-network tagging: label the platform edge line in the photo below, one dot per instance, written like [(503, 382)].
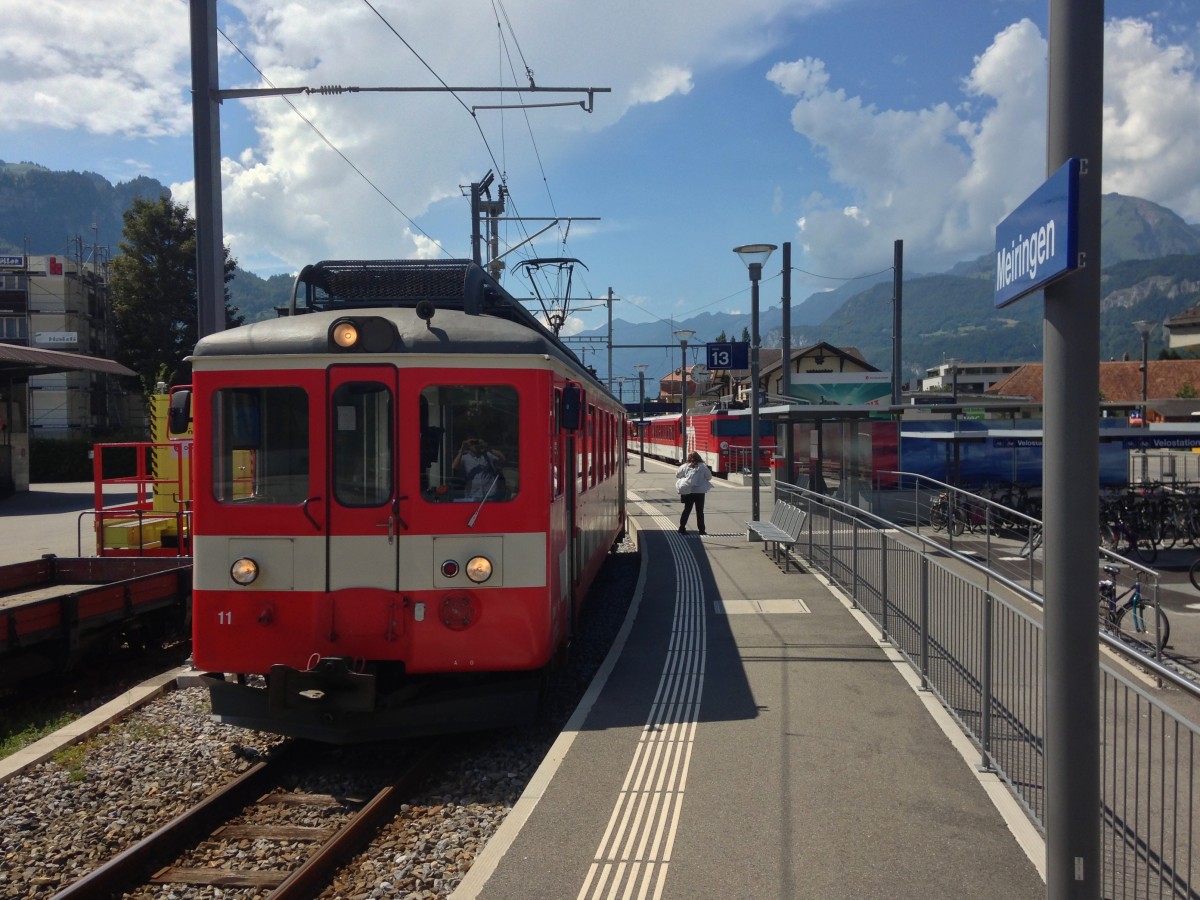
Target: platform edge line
[(486, 863)]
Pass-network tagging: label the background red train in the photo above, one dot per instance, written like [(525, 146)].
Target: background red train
[(721, 437)]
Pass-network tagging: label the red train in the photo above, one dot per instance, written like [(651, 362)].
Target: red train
[(721, 437), (403, 491)]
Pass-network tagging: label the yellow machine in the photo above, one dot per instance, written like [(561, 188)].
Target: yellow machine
[(157, 521)]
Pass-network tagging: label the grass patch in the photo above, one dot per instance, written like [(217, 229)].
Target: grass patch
[(72, 758), (17, 733)]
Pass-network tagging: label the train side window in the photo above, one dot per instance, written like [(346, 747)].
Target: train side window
[(479, 433), (362, 444), (260, 445), (557, 443)]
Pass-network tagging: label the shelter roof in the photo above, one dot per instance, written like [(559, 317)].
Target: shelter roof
[(21, 362)]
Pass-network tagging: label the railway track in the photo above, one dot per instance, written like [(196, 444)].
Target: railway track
[(294, 857)]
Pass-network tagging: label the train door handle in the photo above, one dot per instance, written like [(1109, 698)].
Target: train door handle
[(308, 515), (390, 525)]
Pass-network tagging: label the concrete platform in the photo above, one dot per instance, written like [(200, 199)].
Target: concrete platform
[(750, 737)]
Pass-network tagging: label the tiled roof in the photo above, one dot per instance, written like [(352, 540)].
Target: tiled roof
[(1120, 382)]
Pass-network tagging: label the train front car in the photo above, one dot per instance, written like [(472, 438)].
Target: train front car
[(723, 440), (402, 496)]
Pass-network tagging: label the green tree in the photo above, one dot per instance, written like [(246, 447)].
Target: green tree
[(153, 288), (745, 335), (720, 339)]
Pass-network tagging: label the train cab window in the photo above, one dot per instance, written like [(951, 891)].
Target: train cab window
[(362, 444), (260, 445), (478, 457)]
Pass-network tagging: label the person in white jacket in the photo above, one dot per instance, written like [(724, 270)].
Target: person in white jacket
[(693, 480)]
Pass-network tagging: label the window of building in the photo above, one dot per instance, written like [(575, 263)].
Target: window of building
[(14, 328)]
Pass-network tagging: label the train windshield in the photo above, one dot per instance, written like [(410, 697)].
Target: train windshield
[(740, 427), (260, 445), (362, 444), (469, 443)]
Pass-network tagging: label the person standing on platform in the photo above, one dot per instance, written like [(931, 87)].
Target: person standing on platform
[(693, 480)]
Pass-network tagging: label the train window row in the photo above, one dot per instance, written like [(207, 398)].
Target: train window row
[(468, 442), (598, 447)]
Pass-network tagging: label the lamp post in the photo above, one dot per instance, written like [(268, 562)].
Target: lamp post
[(954, 378), (754, 256), (684, 335), (641, 370), (1144, 328)]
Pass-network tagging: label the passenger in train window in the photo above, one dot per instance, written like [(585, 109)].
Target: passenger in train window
[(480, 467)]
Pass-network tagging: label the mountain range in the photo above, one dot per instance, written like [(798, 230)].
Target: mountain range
[(1150, 258)]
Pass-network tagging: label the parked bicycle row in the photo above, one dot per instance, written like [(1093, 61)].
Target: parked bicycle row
[(991, 509), (1135, 521)]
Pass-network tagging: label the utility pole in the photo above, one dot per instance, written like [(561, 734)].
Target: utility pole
[(1071, 337), (897, 317), (609, 305), (206, 150)]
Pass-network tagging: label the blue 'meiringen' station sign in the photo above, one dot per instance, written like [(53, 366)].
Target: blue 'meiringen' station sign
[(1039, 240)]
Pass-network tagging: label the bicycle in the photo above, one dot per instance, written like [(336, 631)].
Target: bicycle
[(1118, 535), (1129, 615), (1194, 573), (942, 514)]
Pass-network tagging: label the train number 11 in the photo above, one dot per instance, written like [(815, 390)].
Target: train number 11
[(225, 617)]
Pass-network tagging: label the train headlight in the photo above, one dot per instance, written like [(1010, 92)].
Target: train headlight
[(450, 568), (479, 569), (724, 445), (345, 334), (244, 570)]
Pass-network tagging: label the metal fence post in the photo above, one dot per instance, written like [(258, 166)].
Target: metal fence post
[(829, 547), (924, 622), (883, 587), (809, 523), (985, 736), (854, 564)]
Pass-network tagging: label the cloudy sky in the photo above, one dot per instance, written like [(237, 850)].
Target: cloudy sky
[(837, 125)]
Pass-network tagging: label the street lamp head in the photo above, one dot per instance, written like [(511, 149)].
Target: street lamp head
[(1145, 327), (684, 335), (641, 367), (754, 255)]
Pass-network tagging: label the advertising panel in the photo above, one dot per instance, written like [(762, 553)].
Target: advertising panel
[(842, 388)]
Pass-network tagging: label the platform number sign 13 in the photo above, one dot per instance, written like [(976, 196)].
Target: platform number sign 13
[(728, 355)]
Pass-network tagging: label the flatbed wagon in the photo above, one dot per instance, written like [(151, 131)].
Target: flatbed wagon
[(55, 610)]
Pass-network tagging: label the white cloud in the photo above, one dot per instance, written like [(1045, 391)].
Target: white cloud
[(661, 82), (68, 65), (1151, 107), (940, 178)]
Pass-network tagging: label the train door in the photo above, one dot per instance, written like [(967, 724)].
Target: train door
[(364, 522)]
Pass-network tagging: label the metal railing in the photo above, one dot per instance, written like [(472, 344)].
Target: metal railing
[(961, 628)]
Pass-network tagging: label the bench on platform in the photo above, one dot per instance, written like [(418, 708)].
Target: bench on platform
[(782, 531)]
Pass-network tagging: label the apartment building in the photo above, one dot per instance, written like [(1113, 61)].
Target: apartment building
[(61, 303)]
